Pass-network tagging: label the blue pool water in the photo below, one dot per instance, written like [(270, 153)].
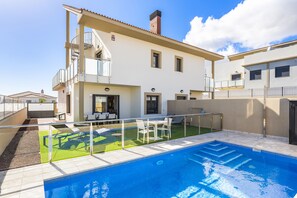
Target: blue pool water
[(214, 169)]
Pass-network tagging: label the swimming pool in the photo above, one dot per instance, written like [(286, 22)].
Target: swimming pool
[(213, 169)]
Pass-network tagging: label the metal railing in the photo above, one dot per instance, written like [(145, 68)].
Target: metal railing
[(209, 84), (258, 93), (59, 78), (74, 139), (9, 105)]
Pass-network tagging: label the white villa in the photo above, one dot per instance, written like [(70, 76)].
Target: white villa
[(119, 68), (274, 67)]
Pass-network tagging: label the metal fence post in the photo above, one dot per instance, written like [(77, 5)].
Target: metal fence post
[(147, 129), (185, 126), (91, 139), (50, 144), (199, 124), (123, 134), (211, 122), (221, 122)]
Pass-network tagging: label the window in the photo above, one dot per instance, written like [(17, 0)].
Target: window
[(181, 97), (283, 71), (152, 104), (235, 76), (178, 64), (68, 104), (193, 98), (256, 75), (156, 59)]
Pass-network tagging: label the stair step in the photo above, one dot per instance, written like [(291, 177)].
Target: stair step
[(216, 149), (207, 158), (214, 144), (232, 159), (238, 165), (217, 155)]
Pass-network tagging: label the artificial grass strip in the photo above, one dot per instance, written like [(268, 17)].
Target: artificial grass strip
[(76, 146)]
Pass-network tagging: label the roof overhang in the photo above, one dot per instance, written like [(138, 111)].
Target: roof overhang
[(106, 24), (262, 49)]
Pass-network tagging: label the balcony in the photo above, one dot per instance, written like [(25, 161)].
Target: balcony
[(96, 71), (58, 80), (229, 84)]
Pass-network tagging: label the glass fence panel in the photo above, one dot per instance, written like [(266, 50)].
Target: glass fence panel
[(69, 141), (107, 136)]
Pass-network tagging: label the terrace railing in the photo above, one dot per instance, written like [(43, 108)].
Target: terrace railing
[(59, 141), (276, 92), (10, 105), (59, 78)]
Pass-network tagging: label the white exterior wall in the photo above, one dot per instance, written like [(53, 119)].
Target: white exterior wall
[(253, 84), (131, 65), (128, 106), (272, 55), (224, 69), (284, 81), (61, 101)]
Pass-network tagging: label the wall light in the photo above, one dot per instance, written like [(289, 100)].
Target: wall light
[(153, 89), (107, 89), (181, 91)]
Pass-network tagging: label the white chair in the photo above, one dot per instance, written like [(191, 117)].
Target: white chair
[(166, 127), (142, 129)]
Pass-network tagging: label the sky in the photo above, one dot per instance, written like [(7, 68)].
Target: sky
[(32, 33)]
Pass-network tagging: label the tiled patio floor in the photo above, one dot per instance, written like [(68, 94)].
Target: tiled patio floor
[(28, 181)]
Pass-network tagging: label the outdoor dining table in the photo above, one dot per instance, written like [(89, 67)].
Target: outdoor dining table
[(155, 123)]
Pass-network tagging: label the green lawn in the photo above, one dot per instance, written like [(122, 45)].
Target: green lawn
[(78, 145)]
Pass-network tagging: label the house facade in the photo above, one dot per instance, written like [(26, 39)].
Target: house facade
[(273, 67), (33, 97), (118, 68)]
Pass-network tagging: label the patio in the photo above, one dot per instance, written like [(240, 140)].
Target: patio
[(28, 181)]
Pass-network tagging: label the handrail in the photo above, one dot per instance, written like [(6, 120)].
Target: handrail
[(102, 121)]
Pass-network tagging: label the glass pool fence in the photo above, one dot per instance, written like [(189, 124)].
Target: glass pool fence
[(58, 141)]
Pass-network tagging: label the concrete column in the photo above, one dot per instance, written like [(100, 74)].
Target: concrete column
[(81, 72), (213, 77), (67, 38), (267, 75)]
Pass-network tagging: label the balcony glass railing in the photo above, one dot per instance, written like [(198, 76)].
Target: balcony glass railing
[(97, 67), (229, 83), (59, 78)]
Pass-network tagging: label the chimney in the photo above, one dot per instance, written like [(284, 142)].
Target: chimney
[(155, 22)]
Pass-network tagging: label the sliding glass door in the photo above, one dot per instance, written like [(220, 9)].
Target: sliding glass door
[(106, 104)]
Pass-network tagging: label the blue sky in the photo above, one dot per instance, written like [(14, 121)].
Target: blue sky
[(33, 32)]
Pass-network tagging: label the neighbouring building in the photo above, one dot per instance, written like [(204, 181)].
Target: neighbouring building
[(33, 97), (119, 68), (274, 66)]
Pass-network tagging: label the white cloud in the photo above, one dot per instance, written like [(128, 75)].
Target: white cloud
[(251, 24)]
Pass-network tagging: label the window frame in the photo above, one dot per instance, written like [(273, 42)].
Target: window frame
[(279, 67), (159, 59), (256, 71), (236, 74), (176, 58)]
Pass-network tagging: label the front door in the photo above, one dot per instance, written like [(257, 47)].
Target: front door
[(293, 123), (106, 104), (152, 104)]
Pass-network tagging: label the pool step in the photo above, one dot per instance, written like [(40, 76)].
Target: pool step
[(215, 149), (220, 154)]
